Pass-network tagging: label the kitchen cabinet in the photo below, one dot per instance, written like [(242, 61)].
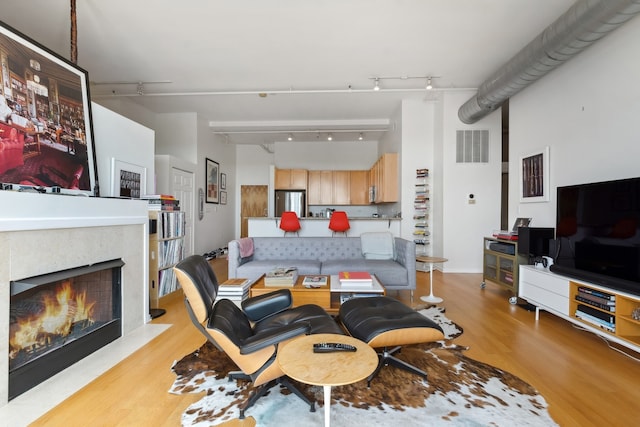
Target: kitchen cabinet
[(384, 177), (320, 188), (341, 187), (359, 187), (291, 179)]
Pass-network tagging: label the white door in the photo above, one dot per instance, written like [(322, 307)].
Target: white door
[(182, 188)]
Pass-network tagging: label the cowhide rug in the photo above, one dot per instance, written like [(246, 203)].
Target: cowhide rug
[(459, 391)]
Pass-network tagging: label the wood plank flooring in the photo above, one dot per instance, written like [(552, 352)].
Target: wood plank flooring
[(584, 381)]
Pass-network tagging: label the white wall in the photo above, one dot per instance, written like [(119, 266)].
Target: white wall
[(117, 137), (464, 225), (587, 112)]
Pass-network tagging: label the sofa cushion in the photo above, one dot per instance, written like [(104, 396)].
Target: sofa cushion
[(378, 245), (334, 266), (388, 272)]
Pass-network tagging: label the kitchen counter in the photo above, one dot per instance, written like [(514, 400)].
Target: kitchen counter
[(319, 226)]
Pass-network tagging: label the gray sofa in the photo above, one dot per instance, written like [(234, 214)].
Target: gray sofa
[(325, 255)]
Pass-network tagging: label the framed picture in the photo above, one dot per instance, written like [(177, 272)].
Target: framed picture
[(223, 181), (127, 179), (534, 177), (223, 197), (212, 191), (46, 97)]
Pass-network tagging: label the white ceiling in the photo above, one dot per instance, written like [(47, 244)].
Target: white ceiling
[(314, 60)]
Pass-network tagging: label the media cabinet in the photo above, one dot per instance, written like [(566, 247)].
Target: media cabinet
[(557, 294)]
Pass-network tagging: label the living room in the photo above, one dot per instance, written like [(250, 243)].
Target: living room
[(584, 111)]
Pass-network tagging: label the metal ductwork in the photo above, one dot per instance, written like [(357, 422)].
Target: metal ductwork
[(583, 24)]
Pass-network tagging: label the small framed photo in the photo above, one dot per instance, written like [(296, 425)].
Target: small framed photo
[(212, 193), (223, 197), (534, 177), (223, 181)]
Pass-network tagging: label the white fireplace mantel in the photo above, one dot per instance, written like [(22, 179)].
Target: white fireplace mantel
[(43, 233)]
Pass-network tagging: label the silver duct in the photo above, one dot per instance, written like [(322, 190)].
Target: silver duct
[(583, 24)]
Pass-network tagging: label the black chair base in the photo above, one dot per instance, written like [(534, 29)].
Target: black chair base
[(387, 358), (262, 390)]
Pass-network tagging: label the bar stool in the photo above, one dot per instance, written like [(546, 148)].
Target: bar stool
[(339, 222), (289, 222)]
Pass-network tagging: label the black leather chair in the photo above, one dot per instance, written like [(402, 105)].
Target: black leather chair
[(249, 336), (387, 324)]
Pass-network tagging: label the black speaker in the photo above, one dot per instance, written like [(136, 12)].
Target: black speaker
[(534, 241)]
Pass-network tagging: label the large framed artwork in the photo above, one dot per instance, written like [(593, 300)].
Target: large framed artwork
[(45, 109), (534, 176), (212, 192), (128, 180)]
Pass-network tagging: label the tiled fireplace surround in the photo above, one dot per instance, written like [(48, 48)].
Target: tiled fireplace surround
[(41, 234)]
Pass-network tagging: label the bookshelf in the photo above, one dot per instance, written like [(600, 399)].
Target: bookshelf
[(166, 249), (421, 217)]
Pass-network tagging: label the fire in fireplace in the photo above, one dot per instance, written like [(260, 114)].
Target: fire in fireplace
[(57, 319)]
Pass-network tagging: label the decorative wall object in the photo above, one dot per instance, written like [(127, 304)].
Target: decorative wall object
[(212, 182), (223, 181), (127, 179), (534, 177), (223, 197)]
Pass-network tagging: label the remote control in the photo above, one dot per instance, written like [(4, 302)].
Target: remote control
[(330, 347)]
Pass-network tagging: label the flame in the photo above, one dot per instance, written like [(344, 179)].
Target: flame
[(61, 312)]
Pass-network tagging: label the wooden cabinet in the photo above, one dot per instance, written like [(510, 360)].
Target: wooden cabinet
[(384, 177), (341, 187), (359, 187), (609, 315), (166, 249), (290, 179), (501, 264), (320, 188)]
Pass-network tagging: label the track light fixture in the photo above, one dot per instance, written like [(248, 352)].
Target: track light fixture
[(330, 137), (360, 137), (376, 84), (290, 137), (429, 85)]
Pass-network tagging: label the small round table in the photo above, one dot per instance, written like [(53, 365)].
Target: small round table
[(298, 361), (431, 260)]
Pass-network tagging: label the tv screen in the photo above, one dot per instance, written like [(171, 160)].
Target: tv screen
[(597, 234), (46, 138)]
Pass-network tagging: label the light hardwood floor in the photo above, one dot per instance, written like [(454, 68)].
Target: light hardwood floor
[(584, 382)]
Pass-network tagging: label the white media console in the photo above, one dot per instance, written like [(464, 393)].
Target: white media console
[(557, 294)]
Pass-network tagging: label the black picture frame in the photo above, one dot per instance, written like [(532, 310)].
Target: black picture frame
[(212, 181), (51, 107), (223, 181)]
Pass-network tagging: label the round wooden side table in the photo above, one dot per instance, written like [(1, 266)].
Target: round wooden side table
[(431, 260), (298, 361)]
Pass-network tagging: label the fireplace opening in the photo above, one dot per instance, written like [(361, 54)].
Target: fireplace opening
[(59, 318)]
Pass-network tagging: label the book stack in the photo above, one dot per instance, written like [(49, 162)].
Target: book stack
[(314, 281), (281, 276), (235, 290), (355, 278), (596, 307), (162, 202)]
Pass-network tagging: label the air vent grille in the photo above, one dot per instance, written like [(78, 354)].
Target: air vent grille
[(472, 146)]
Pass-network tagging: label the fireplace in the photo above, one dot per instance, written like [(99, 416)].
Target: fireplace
[(59, 318)]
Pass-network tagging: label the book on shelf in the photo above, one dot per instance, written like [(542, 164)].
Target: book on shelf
[(596, 321), (314, 281), (599, 314), (596, 293), (355, 278), (603, 306), (281, 276)]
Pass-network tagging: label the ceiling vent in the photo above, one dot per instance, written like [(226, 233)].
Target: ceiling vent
[(472, 146)]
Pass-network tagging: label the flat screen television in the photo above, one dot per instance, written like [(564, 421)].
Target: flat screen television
[(598, 235), (46, 137)]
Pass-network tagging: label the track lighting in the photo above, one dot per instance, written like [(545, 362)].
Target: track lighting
[(429, 85), (290, 137), (360, 137), (376, 84), (330, 137)]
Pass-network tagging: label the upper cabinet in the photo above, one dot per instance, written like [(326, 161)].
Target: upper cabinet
[(320, 190), (291, 179), (384, 177), (359, 187)]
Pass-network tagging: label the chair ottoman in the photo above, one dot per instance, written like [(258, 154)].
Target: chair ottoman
[(387, 324)]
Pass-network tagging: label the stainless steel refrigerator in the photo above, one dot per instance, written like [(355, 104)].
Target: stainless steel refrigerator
[(290, 200)]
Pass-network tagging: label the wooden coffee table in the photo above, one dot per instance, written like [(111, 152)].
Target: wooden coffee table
[(328, 297), (298, 361)]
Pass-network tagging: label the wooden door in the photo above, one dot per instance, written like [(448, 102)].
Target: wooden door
[(254, 202)]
